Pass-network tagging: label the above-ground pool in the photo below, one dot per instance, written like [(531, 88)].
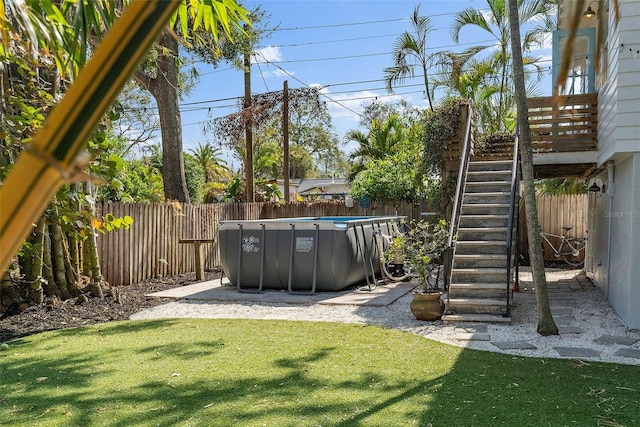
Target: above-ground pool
[(302, 254)]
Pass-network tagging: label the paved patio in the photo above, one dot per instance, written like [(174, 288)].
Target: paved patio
[(221, 290), (563, 288)]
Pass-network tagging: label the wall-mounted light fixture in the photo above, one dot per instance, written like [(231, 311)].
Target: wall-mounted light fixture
[(597, 186), (590, 13)]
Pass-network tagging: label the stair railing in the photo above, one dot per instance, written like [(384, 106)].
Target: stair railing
[(512, 224), (447, 256)]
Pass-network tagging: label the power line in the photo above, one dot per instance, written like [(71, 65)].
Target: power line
[(333, 41), (364, 55), (207, 103), (346, 24), (305, 84), (381, 21)]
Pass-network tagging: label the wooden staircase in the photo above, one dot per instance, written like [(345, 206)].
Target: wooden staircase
[(478, 288)]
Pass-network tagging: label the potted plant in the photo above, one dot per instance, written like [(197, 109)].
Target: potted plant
[(395, 257), (425, 244)]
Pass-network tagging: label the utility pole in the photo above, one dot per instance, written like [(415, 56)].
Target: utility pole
[(250, 197), (285, 137)]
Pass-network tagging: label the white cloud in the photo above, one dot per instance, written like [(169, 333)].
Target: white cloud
[(267, 54), (345, 109), (265, 57)]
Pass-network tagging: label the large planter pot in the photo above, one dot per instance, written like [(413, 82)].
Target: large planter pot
[(427, 306)]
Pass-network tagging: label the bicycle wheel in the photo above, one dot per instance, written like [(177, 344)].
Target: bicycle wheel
[(571, 258), (397, 272)]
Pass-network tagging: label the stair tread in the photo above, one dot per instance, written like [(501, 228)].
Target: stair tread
[(492, 162), (471, 256), (478, 285), (487, 182), (476, 317), (489, 193), (487, 205), (489, 172), (482, 229), (484, 216), (478, 301), (482, 242)]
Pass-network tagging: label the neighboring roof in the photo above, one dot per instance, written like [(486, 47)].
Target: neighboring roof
[(292, 183), (327, 185)]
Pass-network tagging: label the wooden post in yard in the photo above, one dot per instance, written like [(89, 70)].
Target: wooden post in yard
[(285, 137)]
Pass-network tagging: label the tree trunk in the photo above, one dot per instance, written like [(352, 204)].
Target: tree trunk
[(546, 324), (71, 271), (49, 284), (8, 294), (92, 261), (34, 276), (164, 89), (58, 256), (72, 262)]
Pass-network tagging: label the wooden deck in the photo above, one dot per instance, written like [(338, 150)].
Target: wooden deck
[(565, 137)]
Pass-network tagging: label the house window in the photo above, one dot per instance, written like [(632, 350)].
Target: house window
[(582, 75)]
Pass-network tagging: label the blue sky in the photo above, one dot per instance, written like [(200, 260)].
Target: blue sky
[(342, 46)]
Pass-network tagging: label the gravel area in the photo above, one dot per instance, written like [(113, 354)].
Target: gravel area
[(584, 311)]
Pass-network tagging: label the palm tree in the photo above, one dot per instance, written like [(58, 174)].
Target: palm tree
[(460, 74), (383, 139), (496, 23), (546, 324), (215, 168), (410, 51)]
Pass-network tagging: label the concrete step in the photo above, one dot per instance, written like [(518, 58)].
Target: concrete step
[(482, 233), (475, 221), (479, 275), (491, 165), (484, 176), (475, 317), (470, 247), (480, 261), (487, 186), (485, 209), (477, 305), (478, 290), (490, 198)]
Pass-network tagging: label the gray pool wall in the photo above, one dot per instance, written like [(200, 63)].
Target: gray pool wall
[(341, 250)]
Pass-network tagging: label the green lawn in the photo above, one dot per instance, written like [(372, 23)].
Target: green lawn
[(276, 373)]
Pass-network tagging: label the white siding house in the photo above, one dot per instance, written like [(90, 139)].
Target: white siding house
[(613, 253)]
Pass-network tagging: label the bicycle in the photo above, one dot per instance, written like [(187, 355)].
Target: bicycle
[(569, 249)]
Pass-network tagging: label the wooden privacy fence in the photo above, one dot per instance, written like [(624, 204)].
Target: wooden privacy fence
[(151, 247), (555, 212)]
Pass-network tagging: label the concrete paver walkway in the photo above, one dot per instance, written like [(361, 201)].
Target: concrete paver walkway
[(563, 286), (222, 290)]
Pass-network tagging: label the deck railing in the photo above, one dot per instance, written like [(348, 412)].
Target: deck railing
[(569, 124)]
